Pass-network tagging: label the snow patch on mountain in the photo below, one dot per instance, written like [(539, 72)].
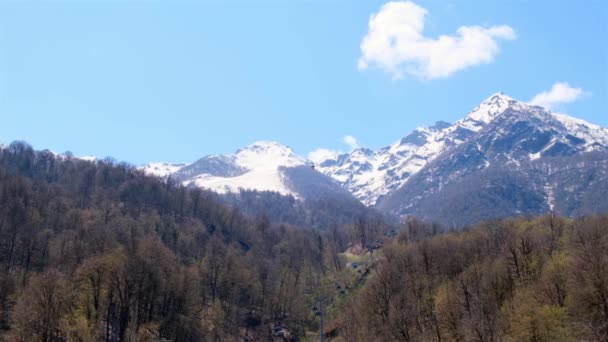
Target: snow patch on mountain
[(161, 169), (488, 110), (256, 167), (593, 135)]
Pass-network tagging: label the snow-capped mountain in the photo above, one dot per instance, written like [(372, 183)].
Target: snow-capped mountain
[(512, 161), (256, 167), (508, 143), (261, 166), (370, 175)]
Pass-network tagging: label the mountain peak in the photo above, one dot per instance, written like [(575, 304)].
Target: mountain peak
[(500, 96), (266, 144), (492, 107), (258, 166), (267, 154)]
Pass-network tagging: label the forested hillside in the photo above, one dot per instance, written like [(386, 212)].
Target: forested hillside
[(543, 279), (320, 213), (98, 251)]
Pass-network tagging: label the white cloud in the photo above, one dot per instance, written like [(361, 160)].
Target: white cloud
[(322, 154), (395, 43), (351, 142), (560, 92)]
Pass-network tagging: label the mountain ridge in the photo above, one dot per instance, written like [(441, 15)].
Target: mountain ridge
[(499, 131), (390, 167)]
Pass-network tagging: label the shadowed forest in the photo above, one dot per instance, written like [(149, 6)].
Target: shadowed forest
[(98, 251)]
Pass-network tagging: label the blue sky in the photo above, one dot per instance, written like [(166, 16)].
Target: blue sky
[(174, 81)]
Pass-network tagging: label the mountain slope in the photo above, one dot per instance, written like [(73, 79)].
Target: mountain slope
[(497, 171), (261, 166), (370, 175), (532, 188), (256, 167)]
